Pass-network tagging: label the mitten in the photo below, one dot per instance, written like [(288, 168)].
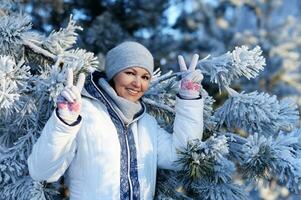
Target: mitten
[(191, 79), (69, 101)]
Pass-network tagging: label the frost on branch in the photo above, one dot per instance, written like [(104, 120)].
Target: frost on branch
[(52, 78), (197, 160), (25, 188), (230, 66), (208, 190), (257, 112), (207, 172), (12, 30), (209, 118), (62, 40), (79, 60), (160, 98), (13, 162), (271, 157), (13, 82)]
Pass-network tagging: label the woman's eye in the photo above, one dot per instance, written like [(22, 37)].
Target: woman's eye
[(129, 73), (145, 78)]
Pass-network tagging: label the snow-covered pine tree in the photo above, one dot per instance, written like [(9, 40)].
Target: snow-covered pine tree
[(32, 70), (251, 136)]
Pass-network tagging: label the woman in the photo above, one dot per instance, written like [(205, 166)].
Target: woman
[(104, 140)]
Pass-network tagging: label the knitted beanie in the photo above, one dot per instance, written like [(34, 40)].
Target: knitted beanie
[(128, 54)]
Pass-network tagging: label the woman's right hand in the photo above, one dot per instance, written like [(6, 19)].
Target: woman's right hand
[(69, 101)]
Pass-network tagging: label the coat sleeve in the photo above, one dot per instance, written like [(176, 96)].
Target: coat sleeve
[(188, 125), (53, 151)]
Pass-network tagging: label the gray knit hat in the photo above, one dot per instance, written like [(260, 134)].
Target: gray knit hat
[(126, 55)]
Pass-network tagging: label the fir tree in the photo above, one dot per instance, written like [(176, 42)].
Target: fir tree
[(251, 137)]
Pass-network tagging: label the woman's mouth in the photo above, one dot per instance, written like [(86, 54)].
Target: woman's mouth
[(133, 92)]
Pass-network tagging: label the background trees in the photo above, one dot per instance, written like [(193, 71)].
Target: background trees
[(250, 132)]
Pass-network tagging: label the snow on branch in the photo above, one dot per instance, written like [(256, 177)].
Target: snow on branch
[(227, 67), (208, 190), (168, 186), (158, 105), (288, 114), (160, 98), (12, 29), (13, 82), (65, 38), (207, 171), (26, 188), (79, 60), (198, 159), (235, 143), (274, 157), (209, 119), (257, 112), (52, 78)]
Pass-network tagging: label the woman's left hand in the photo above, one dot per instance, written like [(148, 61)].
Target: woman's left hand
[(191, 79)]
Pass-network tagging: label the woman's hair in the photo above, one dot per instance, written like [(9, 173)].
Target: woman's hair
[(111, 83)]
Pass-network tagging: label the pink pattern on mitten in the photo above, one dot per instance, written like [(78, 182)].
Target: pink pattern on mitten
[(190, 85), (62, 105), (75, 107)]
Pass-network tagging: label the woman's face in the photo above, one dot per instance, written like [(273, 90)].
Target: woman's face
[(132, 83)]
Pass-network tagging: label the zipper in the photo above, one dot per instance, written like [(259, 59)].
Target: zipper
[(129, 162)]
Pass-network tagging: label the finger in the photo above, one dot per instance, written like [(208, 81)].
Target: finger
[(76, 92), (71, 93), (198, 76), (61, 99), (69, 78), (81, 81), (181, 62), (194, 62), (66, 95)]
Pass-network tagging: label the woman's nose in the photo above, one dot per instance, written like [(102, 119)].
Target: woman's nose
[(137, 82)]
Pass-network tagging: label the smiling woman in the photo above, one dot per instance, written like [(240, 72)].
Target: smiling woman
[(103, 140)]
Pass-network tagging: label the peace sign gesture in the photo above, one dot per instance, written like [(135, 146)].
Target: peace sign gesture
[(69, 100), (191, 79)]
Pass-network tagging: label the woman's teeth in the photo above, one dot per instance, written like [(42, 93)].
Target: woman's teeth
[(133, 91)]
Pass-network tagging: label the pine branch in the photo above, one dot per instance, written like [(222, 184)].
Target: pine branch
[(208, 117), (207, 190), (169, 186), (12, 30), (199, 158), (13, 164), (206, 171), (65, 38), (227, 67), (158, 105), (277, 157), (25, 188), (79, 60), (39, 50), (14, 81), (236, 143), (157, 78), (257, 112)]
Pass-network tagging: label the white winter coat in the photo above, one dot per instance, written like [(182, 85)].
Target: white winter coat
[(89, 153)]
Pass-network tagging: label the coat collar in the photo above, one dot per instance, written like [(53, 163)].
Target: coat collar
[(92, 80)]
